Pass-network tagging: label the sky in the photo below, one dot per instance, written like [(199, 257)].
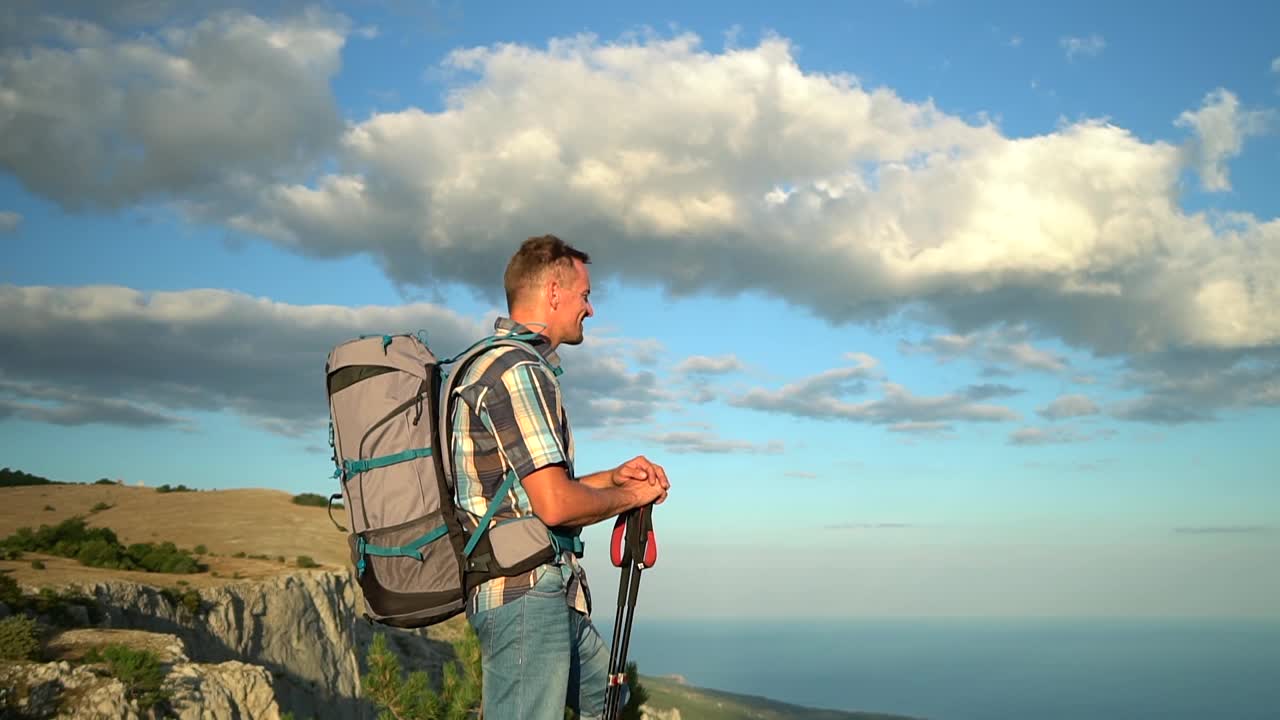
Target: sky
[(927, 308)]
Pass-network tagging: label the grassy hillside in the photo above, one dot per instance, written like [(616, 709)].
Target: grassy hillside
[(231, 525), (703, 704)]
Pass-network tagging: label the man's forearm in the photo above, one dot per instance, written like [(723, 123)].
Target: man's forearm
[(587, 505), (561, 502), (599, 480)]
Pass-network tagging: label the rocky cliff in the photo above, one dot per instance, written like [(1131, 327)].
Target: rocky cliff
[(302, 628), (196, 691)]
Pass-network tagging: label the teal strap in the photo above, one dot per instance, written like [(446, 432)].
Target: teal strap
[(566, 542), (358, 466), (524, 338), (488, 516), (411, 550)]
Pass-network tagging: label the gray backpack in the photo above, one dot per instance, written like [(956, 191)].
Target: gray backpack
[(390, 410)]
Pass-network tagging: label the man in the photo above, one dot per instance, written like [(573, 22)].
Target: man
[(539, 649)]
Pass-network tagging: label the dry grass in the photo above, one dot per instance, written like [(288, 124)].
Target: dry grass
[(73, 645), (226, 522)]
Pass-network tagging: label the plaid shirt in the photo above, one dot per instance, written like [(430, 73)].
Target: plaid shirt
[(510, 417)]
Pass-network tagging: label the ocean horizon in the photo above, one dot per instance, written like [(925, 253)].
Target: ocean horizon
[(980, 668)]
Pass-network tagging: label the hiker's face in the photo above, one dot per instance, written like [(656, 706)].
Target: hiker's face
[(573, 303)]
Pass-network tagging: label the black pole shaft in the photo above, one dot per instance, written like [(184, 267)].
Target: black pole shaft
[(626, 635), (624, 576), (623, 583)]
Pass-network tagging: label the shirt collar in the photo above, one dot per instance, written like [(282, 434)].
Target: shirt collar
[(507, 326)]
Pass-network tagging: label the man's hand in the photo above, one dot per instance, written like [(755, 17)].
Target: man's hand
[(640, 469)]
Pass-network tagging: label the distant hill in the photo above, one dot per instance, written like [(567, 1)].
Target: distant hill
[(696, 703), (15, 478)]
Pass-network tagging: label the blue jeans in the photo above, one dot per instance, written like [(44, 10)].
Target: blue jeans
[(539, 655)]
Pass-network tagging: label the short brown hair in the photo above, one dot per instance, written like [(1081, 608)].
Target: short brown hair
[(535, 257)]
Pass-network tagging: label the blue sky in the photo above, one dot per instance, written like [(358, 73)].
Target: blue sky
[(928, 308)]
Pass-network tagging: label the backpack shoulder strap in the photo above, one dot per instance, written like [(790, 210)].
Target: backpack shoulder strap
[(460, 364)]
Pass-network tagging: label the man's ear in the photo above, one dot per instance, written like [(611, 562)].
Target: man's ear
[(553, 292)]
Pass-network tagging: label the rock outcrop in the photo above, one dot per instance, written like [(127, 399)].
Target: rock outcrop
[(195, 691), (302, 628)]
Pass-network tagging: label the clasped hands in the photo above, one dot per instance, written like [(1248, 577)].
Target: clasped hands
[(640, 469)]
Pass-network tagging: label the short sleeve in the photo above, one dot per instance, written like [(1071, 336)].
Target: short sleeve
[(523, 415)]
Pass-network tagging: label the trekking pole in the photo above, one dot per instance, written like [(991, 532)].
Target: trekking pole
[(644, 553), (635, 547), (620, 554)]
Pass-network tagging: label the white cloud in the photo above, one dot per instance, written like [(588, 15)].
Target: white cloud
[(821, 397), (601, 389), (1069, 406), (1046, 436), (1220, 128), (58, 406), (1275, 65), (1090, 46), (709, 443), (1186, 387), (997, 348), (196, 113), (9, 221), (930, 427), (801, 474), (143, 359), (986, 391), (704, 365), (699, 171)]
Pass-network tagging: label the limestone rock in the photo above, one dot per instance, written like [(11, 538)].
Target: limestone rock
[(196, 691), (303, 628), (227, 690)]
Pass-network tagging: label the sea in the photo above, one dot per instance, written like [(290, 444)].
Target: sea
[(980, 669)]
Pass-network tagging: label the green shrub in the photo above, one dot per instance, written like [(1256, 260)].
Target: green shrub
[(19, 638), (10, 592), (201, 550), (240, 554), (56, 607), (37, 564), (188, 599), (49, 508), (412, 697), (311, 499), (99, 547), (305, 561), (100, 507), (16, 478), (104, 481), (167, 488), (139, 670), (638, 696)]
